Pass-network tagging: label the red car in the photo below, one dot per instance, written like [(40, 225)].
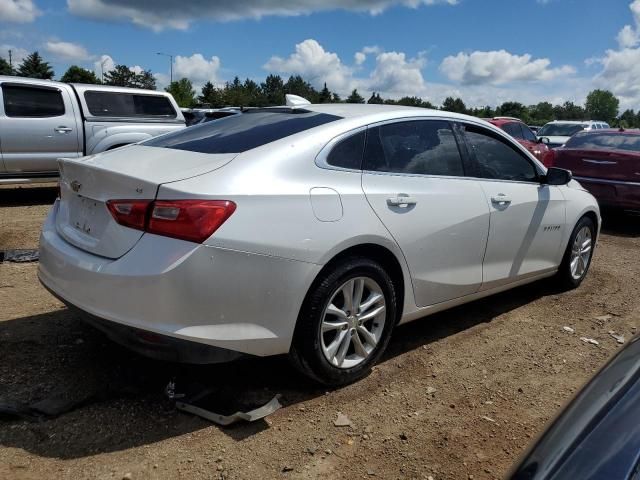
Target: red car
[(523, 134), (605, 162)]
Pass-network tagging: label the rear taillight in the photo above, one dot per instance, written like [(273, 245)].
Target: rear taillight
[(191, 220), (130, 213), (549, 158)]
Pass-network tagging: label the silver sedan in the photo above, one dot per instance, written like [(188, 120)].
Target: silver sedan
[(309, 230)]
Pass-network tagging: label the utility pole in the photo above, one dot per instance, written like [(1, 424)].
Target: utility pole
[(170, 63), (102, 69)]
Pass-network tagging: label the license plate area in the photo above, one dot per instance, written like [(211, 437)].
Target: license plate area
[(87, 216)]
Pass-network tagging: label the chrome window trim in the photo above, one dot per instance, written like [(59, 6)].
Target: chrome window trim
[(321, 157)]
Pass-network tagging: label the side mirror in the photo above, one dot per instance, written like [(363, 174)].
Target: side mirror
[(557, 176), (544, 140)]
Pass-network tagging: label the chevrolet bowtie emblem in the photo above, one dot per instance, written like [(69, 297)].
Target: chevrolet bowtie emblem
[(76, 186)]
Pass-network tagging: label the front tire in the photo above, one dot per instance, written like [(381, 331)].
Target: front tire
[(577, 258), (345, 322)]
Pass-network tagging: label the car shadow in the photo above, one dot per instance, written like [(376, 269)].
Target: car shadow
[(621, 223), (120, 399), (17, 196)]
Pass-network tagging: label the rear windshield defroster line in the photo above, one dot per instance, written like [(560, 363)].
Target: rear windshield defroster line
[(239, 133)]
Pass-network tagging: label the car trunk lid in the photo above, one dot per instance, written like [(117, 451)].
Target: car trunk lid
[(132, 173)]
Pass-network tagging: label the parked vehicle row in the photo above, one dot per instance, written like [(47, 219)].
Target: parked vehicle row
[(42, 120), (523, 134), (310, 230), (558, 132)]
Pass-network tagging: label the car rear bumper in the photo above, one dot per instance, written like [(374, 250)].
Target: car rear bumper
[(233, 300), (613, 193)]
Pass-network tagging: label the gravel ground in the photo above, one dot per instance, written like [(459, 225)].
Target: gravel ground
[(459, 394)]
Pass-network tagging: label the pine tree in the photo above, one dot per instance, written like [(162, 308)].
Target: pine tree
[(375, 99), (145, 80), (183, 92), (325, 95), (355, 97), (120, 76), (35, 67), (273, 90), (211, 96), (5, 68)]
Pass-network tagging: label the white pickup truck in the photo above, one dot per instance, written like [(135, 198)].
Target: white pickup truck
[(42, 120)]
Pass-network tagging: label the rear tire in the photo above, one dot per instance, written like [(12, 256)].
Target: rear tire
[(577, 257), (338, 340)]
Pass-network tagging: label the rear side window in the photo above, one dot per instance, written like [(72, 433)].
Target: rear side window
[(426, 147), (496, 159), (605, 141), (348, 152), (34, 102), (242, 132), (513, 129), (115, 104)]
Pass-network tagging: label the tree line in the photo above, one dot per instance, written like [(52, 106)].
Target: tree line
[(600, 104)]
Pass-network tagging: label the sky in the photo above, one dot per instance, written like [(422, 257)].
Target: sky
[(484, 51)]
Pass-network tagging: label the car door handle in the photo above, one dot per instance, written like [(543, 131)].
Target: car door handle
[(63, 129), (501, 199), (401, 200)]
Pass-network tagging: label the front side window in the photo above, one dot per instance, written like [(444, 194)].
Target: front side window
[(242, 132), (348, 152), (527, 134), (496, 159), (32, 102), (116, 104), (426, 147)]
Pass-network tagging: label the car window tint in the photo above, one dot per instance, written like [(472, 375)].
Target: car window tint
[(116, 104), (23, 101), (242, 132), (527, 134), (426, 147), (496, 159), (605, 141), (348, 152)]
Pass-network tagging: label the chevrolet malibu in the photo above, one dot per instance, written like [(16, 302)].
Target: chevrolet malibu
[(311, 230)]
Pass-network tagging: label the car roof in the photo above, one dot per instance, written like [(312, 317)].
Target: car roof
[(626, 131), (576, 122), (499, 121)]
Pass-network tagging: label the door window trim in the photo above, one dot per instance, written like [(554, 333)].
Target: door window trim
[(322, 157), (32, 86), (515, 146)]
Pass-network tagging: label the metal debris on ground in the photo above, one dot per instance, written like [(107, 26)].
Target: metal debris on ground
[(568, 329), (590, 340), (618, 338), (19, 256), (226, 403)]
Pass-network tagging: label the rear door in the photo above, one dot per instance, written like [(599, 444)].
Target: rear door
[(38, 125), (414, 180), (527, 217)]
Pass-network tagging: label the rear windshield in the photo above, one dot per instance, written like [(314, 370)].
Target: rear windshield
[(242, 132), (606, 141), (559, 130), (116, 104)]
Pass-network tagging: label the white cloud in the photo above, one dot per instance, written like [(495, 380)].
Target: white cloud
[(19, 11), (198, 69), (104, 64), (499, 67), (315, 64), (67, 50), (178, 15), (629, 36), (621, 68)]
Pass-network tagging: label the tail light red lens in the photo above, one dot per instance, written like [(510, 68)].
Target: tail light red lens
[(130, 213), (191, 220), (549, 158)]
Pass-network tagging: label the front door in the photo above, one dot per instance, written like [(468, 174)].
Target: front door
[(527, 217), (38, 126), (415, 182)]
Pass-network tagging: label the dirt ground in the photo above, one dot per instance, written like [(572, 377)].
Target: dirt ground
[(458, 395)]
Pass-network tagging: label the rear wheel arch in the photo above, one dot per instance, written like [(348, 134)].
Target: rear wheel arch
[(379, 254)]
